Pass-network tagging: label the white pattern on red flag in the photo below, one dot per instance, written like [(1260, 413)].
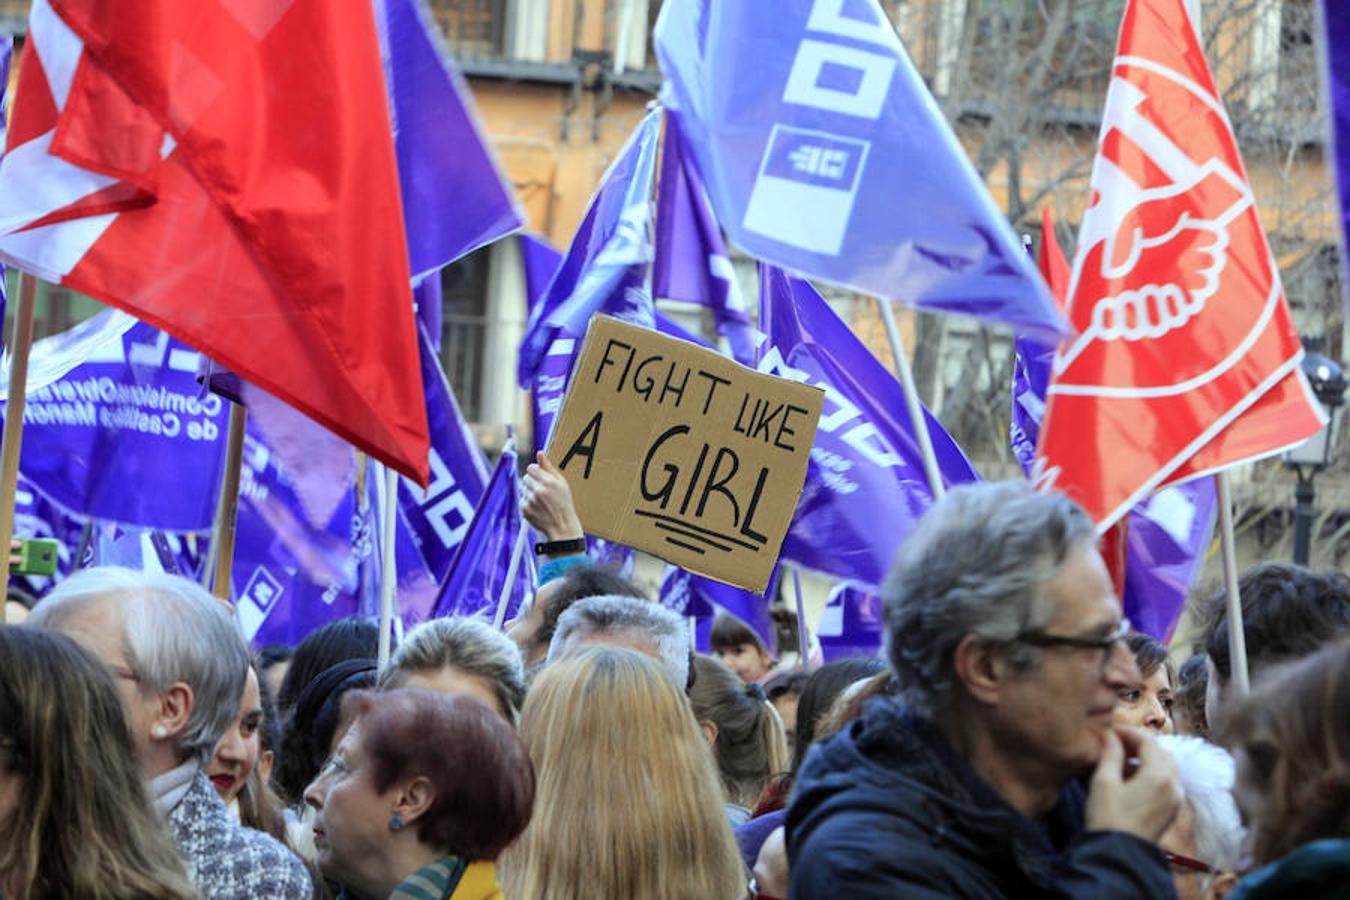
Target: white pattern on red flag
[(1186, 358)]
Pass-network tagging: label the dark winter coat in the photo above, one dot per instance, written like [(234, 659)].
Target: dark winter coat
[(887, 809)]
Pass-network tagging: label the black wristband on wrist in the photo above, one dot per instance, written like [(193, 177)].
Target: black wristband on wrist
[(553, 548)]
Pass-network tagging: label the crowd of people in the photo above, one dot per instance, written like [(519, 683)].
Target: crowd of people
[(1016, 739)]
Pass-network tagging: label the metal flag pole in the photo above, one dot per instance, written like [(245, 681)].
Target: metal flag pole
[(803, 637), (1237, 637), (917, 420), (12, 442), (388, 577)]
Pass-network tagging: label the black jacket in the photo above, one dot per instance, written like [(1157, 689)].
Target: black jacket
[(887, 808)]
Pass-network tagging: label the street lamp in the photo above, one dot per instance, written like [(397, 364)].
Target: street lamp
[(1314, 454)]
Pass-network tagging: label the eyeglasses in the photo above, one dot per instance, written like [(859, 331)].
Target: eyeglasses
[(1104, 644), (1185, 863)]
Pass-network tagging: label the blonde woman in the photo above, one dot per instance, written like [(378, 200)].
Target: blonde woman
[(628, 802), (75, 816), (744, 731), (460, 656)]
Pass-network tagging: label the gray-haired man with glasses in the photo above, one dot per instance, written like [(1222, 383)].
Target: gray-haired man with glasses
[(998, 771)]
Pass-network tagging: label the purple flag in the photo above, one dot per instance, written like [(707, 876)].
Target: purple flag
[(865, 485), (6, 55), (115, 426), (1166, 535), (479, 571), (455, 199), (693, 595), (438, 517), (824, 152), (292, 574), (853, 623), (607, 262), (1336, 48), (692, 263)]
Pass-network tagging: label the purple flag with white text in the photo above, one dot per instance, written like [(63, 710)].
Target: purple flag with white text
[(823, 151), (865, 485)]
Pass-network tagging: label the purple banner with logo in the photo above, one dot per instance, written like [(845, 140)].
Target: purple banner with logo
[(607, 262), (823, 152), (692, 263), (116, 427), (479, 571), (865, 485)]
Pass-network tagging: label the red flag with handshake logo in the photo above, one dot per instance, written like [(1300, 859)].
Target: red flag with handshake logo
[(1186, 359)]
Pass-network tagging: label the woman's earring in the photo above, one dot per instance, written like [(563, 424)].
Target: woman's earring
[(396, 823), (160, 731)]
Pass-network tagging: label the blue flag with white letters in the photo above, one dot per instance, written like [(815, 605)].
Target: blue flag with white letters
[(607, 263), (865, 485), (480, 567), (823, 152), (116, 427)]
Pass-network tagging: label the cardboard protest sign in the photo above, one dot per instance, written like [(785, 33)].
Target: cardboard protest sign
[(681, 452)]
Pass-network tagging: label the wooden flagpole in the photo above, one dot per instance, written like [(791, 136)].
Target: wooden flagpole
[(221, 552), (1237, 636), (912, 404), (12, 442), (388, 575)]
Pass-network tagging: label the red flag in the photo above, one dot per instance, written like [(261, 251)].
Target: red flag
[(226, 172), (1056, 272), (1186, 358)]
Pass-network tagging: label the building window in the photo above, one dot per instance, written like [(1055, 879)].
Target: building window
[(473, 28), (464, 323)]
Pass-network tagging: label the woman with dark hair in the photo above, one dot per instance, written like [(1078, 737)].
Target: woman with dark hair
[(784, 691), (308, 739), (242, 764), (1148, 702), (423, 793), (744, 731), (1291, 741), (323, 648), (75, 815)]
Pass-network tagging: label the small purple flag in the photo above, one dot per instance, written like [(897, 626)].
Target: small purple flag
[(606, 265), (823, 151), (479, 570), (865, 485), (692, 263), (541, 261), (1166, 535), (427, 296), (853, 623)]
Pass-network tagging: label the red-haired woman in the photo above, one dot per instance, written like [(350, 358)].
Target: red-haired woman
[(419, 798)]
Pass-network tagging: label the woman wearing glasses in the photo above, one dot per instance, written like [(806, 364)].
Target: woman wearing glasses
[(75, 817)]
